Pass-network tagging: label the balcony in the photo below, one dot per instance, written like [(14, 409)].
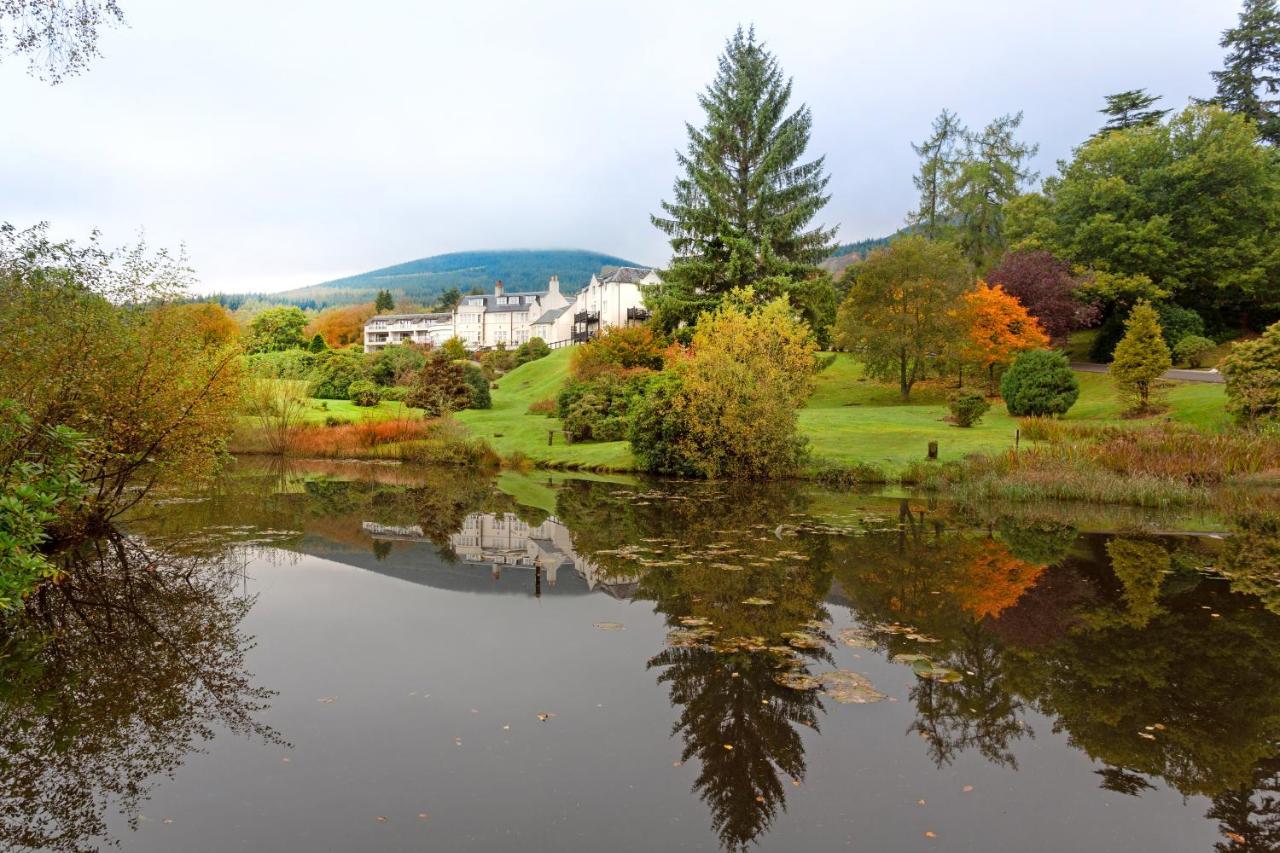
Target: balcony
[(586, 317), (638, 314), (581, 337)]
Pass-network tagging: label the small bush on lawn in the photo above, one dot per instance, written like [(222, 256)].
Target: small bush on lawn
[(394, 393), (546, 407), (1252, 374), (967, 408), (1192, 350), (597, 409), (364, 393), (1039, 383), (440, 386), (479, 385), (532, 350), (335, 371)]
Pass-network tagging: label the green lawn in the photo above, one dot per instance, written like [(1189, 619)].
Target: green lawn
[(509, 427), (849, 419)]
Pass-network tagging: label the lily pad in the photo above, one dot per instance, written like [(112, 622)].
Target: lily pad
[(694, 621), (930, 671), (757, 602), (797, 680), (608, 626), (909, 658), (857, 638), (849, 688), (804, 640)]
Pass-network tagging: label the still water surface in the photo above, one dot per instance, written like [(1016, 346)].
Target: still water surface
[(376, 658)]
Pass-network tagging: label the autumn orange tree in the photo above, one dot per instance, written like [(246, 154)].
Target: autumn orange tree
[(341, 326), (998, 328)]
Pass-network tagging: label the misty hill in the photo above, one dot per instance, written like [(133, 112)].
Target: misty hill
[(421, 281)]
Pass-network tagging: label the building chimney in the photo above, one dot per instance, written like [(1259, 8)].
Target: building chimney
[(553, 286), (497, 288)]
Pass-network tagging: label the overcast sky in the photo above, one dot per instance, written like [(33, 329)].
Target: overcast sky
[(288, 143)]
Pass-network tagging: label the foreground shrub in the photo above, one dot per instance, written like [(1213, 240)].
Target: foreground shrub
[(364, 393), (1039, 383), (440, 386), (597, 409), (335, 371), (1252, 374), (967, 408), (1140, 358), (729, 409), (1193, 349)]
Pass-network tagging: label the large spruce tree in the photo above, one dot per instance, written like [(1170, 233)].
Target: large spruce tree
[(1250, 77), (745, 201)]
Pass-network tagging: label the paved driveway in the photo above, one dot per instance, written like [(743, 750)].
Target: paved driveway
[(1178, 374)]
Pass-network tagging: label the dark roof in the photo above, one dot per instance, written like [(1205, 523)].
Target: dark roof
[(529, 297), (552, 315), (623, 275)]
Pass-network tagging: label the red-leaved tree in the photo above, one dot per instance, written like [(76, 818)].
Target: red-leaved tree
[(1047, 289)]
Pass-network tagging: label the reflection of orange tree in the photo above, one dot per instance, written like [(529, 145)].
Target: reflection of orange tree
[(993, 579), (107, 680)]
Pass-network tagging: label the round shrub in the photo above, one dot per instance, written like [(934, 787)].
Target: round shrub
[(395, 393), (364, 393), (1177, 323), (1192, 350), (1039, 382), (479, 383), (967, 407), (335, 371)]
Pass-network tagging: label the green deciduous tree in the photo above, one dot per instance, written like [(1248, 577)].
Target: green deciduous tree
[(1140, 357), (743, 206), (276, 329), (1131, 108), (1252, 374), (939, 162), (900, 313), (1188, 210), (1250, 77)]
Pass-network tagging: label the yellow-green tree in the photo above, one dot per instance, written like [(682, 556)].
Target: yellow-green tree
[(900, 315), (728, 408), (1141, 357)]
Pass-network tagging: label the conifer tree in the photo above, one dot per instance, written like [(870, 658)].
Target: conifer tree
[(938, 165), (1131, 108), (744, 201), (993, 172), (384, 302), (1250, 77), (317, 343), (1141, 357)]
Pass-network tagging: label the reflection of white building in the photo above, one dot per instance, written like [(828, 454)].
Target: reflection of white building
[(615, 297), (496, 541)]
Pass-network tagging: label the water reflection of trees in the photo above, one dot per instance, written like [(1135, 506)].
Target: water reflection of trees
[(108, 680), (734, 718)]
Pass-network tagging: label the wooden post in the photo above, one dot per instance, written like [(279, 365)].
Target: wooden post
[(933, 450), (551, 437), (1017, 439)]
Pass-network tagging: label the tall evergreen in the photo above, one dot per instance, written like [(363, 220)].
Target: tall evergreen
[(1131, 108), (994, 170), (1250, 77), (384, 302), (744, 202), (938, 165)]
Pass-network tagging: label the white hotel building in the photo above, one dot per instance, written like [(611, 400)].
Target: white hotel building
[(615, 297)]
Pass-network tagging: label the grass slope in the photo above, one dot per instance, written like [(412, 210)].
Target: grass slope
[(509, 427)]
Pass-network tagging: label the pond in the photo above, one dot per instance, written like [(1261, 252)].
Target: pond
[(365, 657)]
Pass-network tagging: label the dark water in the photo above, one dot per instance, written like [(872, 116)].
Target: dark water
[(380, 659)]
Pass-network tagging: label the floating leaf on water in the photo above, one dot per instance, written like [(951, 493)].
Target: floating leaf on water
[(797, 680), (909, 658), (858, 638), (608, 626), (694, 621), (728, 746), (923, 638), (757, 602), (544, 716), (381, 818), (927, 669), (849, 688), (804, 640), (967, 788), (1146, 735)]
